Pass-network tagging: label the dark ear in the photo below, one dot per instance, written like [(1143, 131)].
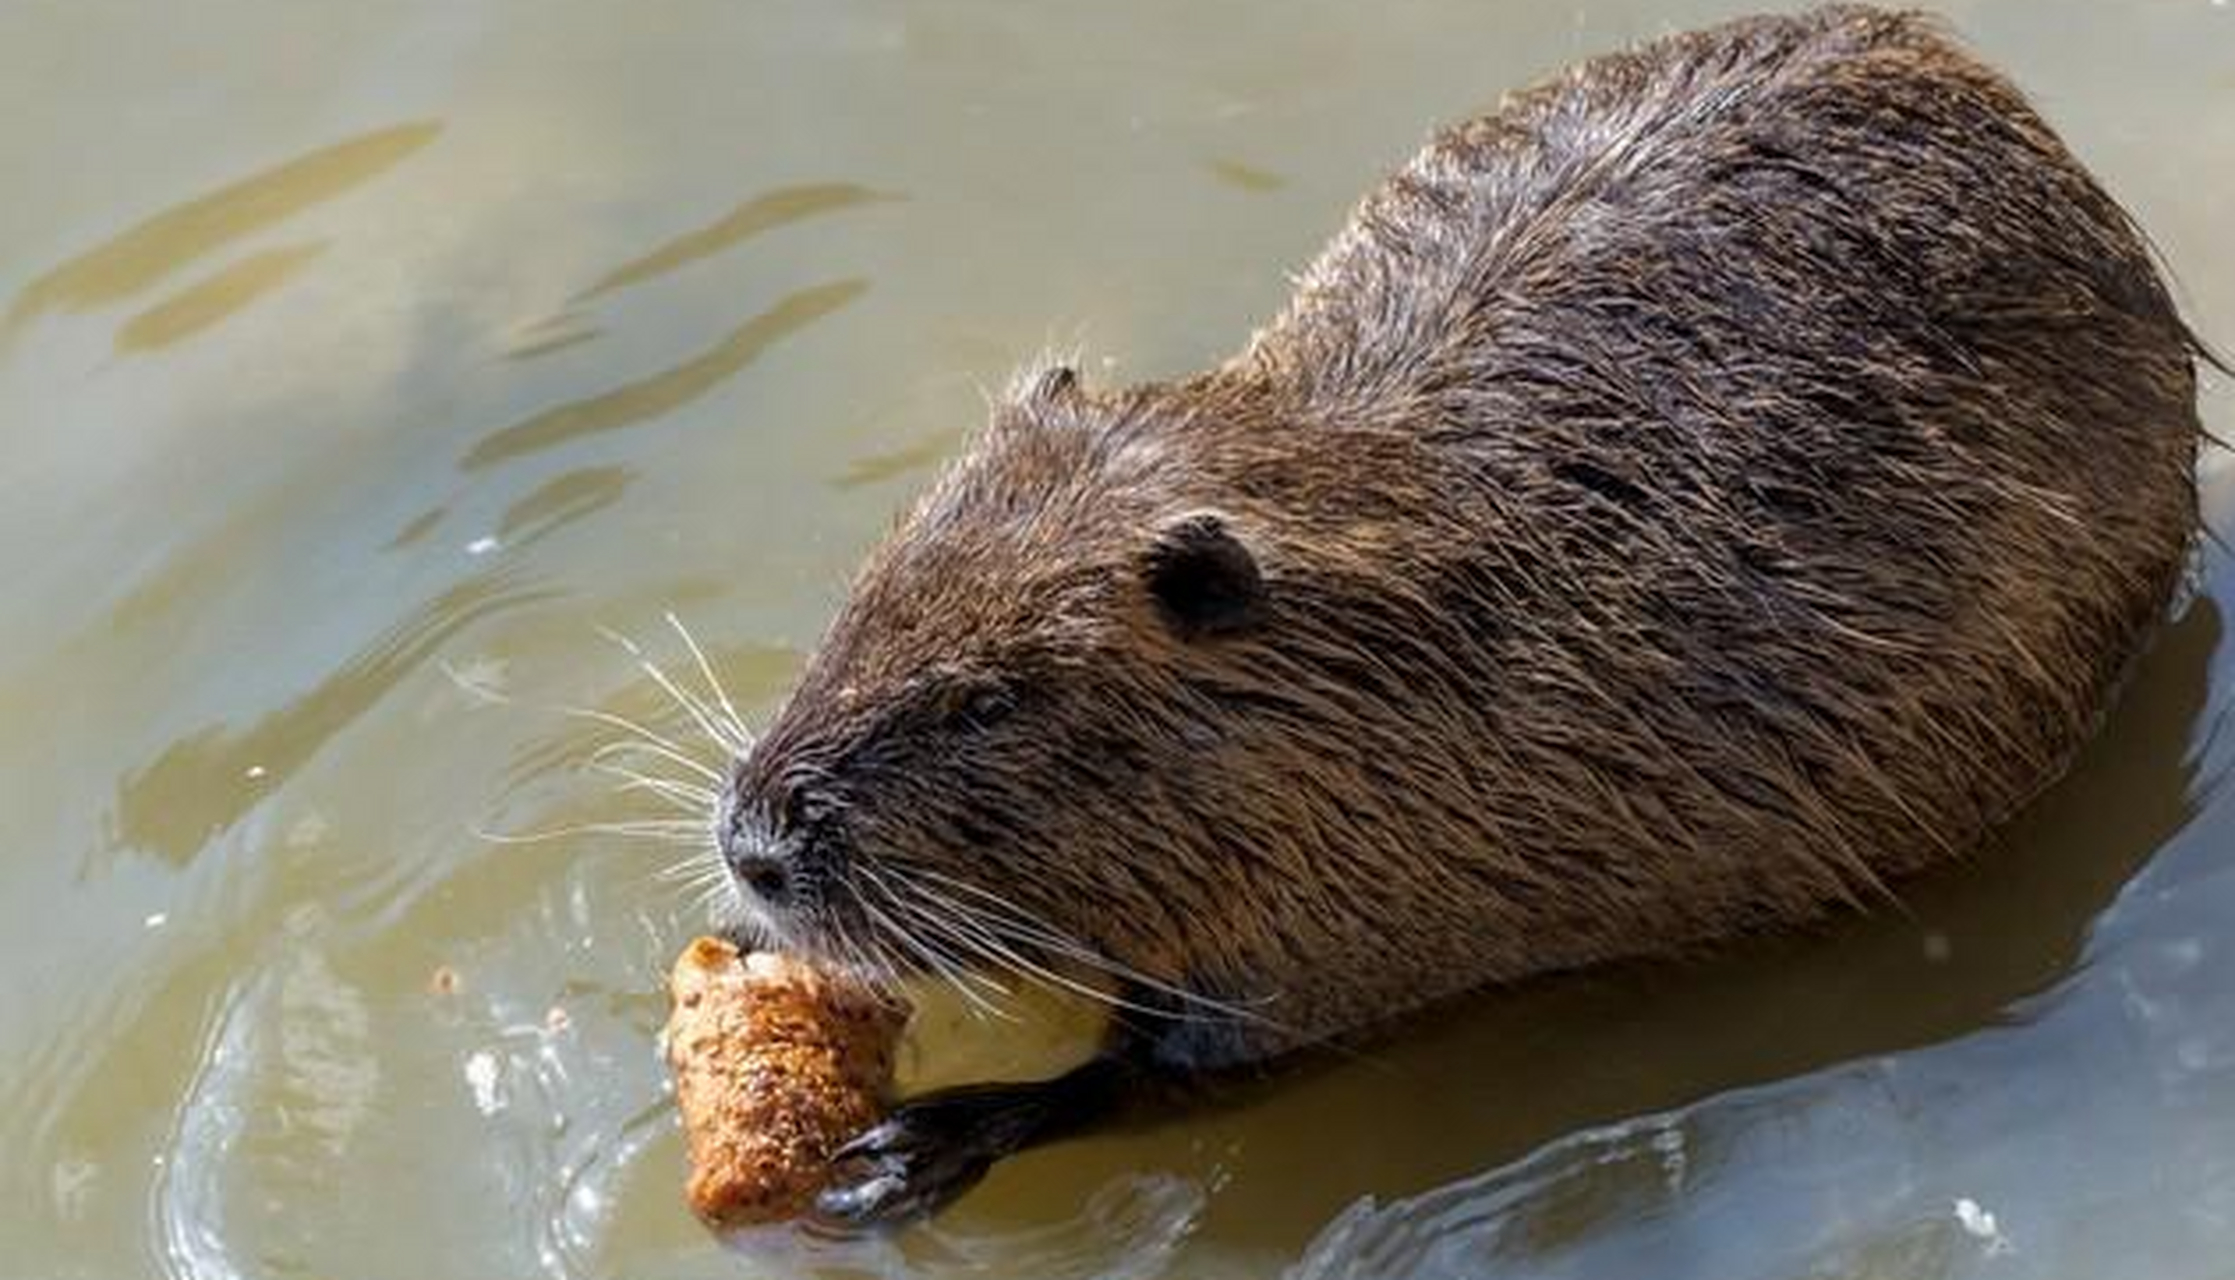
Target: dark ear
[(1204, 581), (1056, 382)]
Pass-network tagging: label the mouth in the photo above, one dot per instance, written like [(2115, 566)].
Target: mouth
[(828, 930), (736, 917)]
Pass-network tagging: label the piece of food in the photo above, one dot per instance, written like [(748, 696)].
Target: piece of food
[(776, 1066)]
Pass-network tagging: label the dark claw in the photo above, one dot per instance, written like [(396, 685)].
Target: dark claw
[(926, 1153), (868, 1142), (863, 1203)]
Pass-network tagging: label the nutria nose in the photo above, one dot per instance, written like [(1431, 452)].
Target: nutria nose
[(761, 871), (754, 854)]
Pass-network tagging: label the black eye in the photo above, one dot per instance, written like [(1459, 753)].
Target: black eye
[(981, 706)]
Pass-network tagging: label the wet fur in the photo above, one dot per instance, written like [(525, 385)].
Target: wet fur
[(1724, 482)]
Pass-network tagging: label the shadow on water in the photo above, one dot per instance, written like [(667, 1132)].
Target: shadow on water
[(760, 214), (1246, 177), (765, 212), (550, 334), (1482, 1083), (669, 389), (146, 253), (206, 781), (562, 500), (891, 464), (210, 301)]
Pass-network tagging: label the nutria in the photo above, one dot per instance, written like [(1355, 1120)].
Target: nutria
[(1724, 482)]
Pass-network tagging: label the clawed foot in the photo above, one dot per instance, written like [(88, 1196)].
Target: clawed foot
[(931, 1150), (926, 1153)]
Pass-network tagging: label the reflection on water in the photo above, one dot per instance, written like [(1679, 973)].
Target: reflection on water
[(917, 457), (200, 305), (303, 589), (290, 1076), (759, 214), (1247, 177), (551, 333), (151, 250), (670, 389), (204, 782), (560, 500), (2000, 1153)]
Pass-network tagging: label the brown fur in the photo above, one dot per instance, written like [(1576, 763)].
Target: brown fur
[(1725, 481)]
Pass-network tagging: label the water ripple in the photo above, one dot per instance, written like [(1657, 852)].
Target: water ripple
[(670, 389), (147, 252)]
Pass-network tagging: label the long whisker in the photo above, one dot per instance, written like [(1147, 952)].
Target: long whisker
[(638, 775), (658, 751), (941, 965), (887, 961), (653, 741), (684, 803), (704, 898), (964, 928), (708, 897), (699, 864), (994, 949), (674, 831), (975, 938), (684, 699), (650, 741), (848, 950), (873, 960), (1005, 917), (682, 795), (703, 890), (735, 721)]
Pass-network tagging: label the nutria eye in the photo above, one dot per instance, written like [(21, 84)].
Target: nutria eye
[(982, 708), (968, 706)]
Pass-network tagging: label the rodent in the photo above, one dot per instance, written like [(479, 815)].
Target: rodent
[(1720, 484)]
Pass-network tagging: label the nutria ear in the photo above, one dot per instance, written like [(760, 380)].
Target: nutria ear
[(1055, 382), (1205, 582)]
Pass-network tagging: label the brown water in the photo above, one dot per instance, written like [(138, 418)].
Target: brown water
[(359, 363)]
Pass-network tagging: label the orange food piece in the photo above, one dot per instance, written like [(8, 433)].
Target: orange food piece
[(776, 1066)]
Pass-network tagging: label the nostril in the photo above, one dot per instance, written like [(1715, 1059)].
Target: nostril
[(763, 875)]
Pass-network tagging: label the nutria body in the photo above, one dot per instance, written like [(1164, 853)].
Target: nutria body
[(1724, 482)]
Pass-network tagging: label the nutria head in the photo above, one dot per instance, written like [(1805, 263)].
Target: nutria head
[(1018, 744)]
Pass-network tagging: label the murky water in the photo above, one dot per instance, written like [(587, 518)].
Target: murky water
[(358, 364)]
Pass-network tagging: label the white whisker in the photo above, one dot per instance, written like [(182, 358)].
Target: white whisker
[(699, 864), (936, 959), (735, 721), (636, 775), (683, 796), (689, 702), (676, 832), (1006, 919), (978, 940), (658, 751), (940, 964)]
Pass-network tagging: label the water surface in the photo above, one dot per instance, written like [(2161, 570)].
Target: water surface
[(359, 364)]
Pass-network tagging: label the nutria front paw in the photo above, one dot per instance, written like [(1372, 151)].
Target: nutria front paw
[(926, 1153)]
